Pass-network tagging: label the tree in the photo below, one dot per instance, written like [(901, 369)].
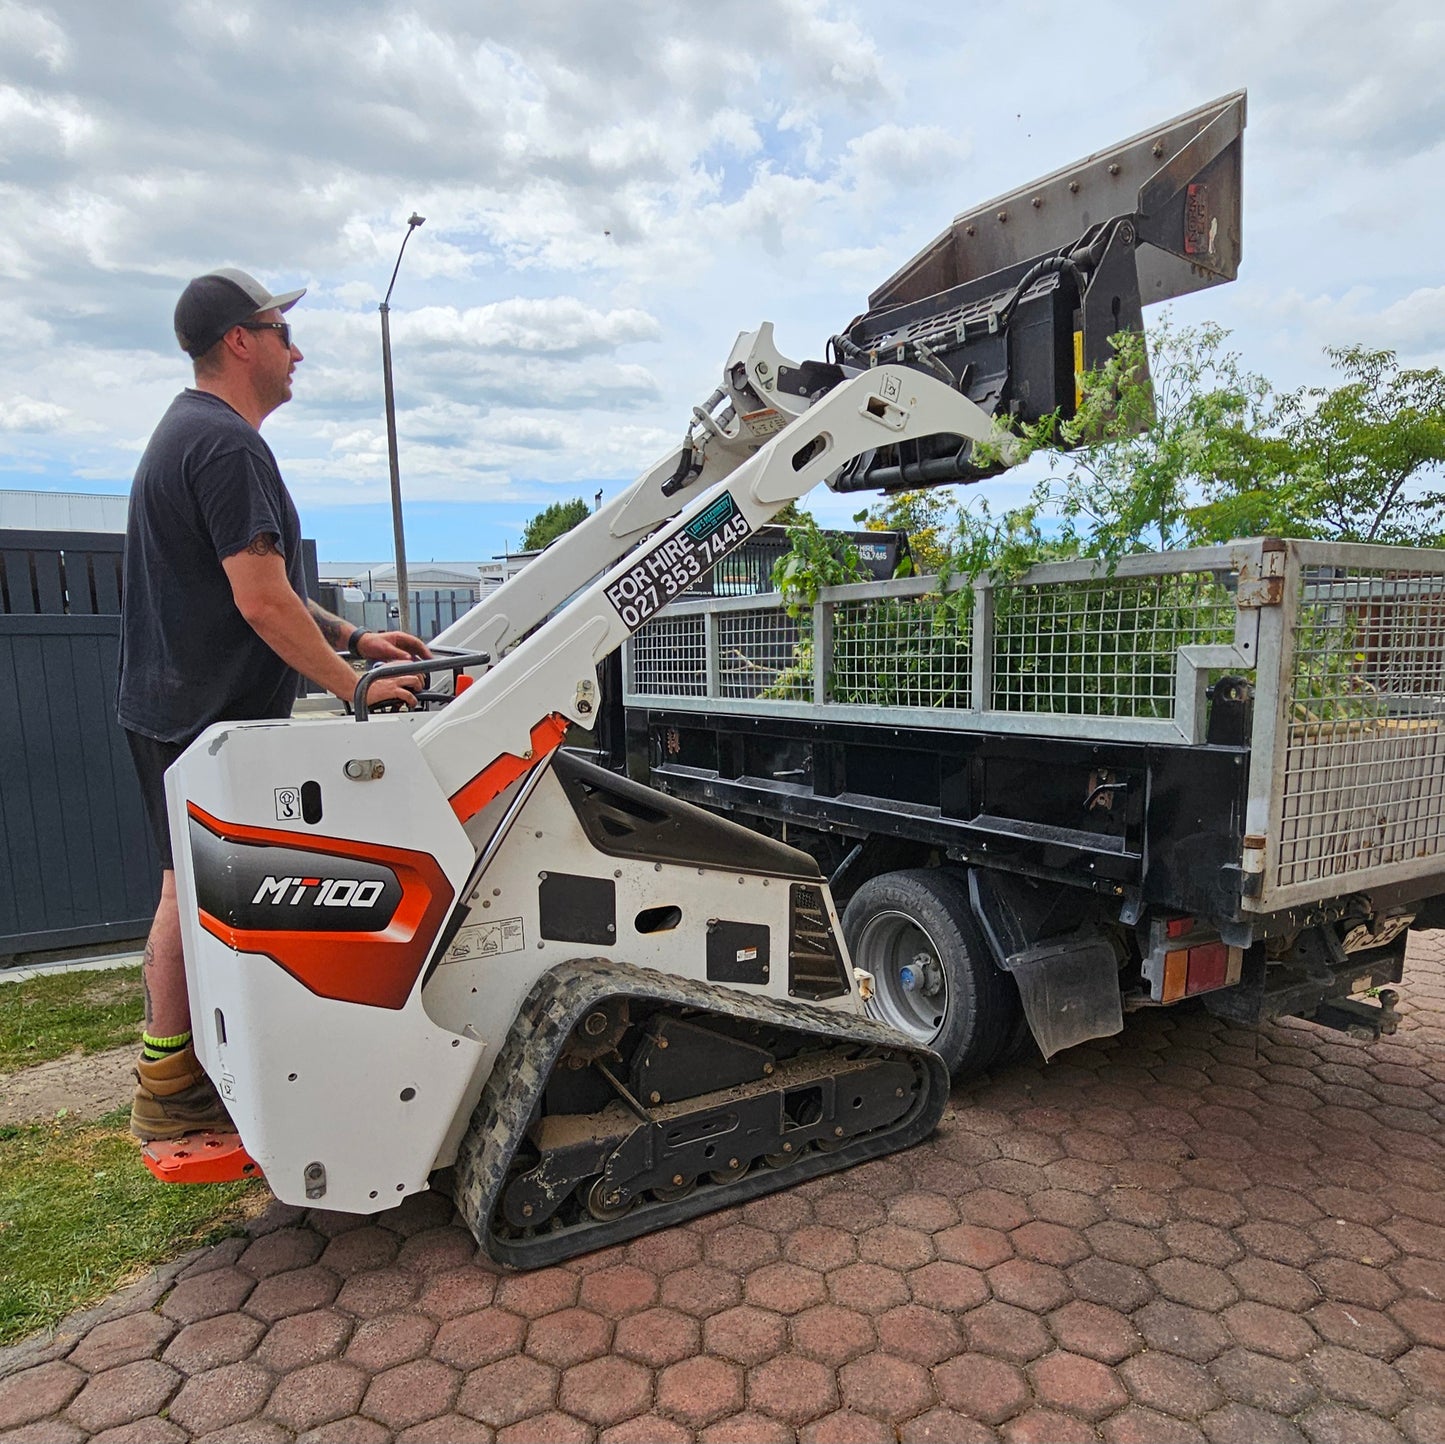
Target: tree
[(557, 520)]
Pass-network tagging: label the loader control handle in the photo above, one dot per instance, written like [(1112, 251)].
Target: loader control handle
[(442, 660)]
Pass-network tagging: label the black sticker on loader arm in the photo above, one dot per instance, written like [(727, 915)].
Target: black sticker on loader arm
[(677, 561)]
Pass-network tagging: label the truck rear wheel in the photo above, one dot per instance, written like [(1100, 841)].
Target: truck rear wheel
[(933, 977)]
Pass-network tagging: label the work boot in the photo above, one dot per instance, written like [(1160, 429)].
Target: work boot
[(174, 1097)]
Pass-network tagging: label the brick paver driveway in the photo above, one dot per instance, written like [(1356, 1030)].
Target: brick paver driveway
[(1190, 1231)]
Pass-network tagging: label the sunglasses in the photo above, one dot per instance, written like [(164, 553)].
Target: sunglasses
[(284, 327)]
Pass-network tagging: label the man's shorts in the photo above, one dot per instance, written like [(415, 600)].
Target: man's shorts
[(151, 759)]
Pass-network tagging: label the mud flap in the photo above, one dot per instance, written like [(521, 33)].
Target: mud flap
[(514, 1092)]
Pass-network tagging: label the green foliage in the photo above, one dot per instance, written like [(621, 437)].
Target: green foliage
[(557, 520), (1347, 463), (817, 559), (59, 1013)]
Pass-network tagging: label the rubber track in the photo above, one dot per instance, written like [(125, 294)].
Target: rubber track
[(544, 1023)]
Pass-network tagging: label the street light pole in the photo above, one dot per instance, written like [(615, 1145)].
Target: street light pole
[(398, 532)]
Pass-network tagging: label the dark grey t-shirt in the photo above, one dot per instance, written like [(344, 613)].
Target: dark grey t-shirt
[(206, 487)]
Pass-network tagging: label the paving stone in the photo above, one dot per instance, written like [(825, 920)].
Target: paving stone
[(1033, 1286), (448, 1429), (740, 1247), (210, 1343), (1114, 1285), (570, 1336), (1263, 1382), (533, 1294), (281, 1251), (1125, 1243), (297, 1292), (882, 1386), (1049, 1243), (606, 1391), (354, 1429), (392, 1339), (943, 1426), (700, 1290), (619, 1290), (1136, 1425), (122, 1341), (868, 1288), (1169, 1384), (1047, 1426), (977, 1246), (437, 1250), (1006, 1332), (509, 1390), (1352, 1378), (748, 1427), (221, 1291), (35, 1393), (1198, 1285), (480, 1338), (665, 1252), (304, 1339), (922, 1335), (122, 1395), (1367, 1331), (896, 1247), (1268, 1282), (378, 1291), (745, 1334), (308, 1397), (700, 1391), (1179, 1330), (221, 1397), (360, 1251), (1423, 1369), (1423, 1320), (454, 1292), (1422, 1422), (145, 1431), (833, 1335), (411, 1393), (553, 1426), (1082, 1386), (793, 1389), (952, 1287), (54, 1431), (657, 1337), (1095, 1331), (1239, 1424), (1339, 1424), (931, 1212)]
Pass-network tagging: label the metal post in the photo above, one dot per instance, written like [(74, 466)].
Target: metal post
[(403, 592)]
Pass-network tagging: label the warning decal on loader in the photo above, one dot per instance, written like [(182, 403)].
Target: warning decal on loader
[(677, 561), (486, 940)]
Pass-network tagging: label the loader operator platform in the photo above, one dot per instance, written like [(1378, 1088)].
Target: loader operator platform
[(216, 623)]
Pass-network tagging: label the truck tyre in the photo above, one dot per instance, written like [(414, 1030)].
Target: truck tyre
[(933, 976)]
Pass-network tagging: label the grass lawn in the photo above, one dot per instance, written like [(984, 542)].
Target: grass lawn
[(80, 1216), (58, 1013)]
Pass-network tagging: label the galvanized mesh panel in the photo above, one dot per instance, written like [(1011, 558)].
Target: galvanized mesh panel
[(904, 652), (1103, 648), (1364, 780), (669, 658), (765, 654)]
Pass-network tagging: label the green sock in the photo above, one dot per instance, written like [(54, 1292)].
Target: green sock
[(153, 1049)]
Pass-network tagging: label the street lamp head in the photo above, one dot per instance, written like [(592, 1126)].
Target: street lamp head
[(416, 220)]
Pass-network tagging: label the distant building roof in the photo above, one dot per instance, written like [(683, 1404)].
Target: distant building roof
[(61, 511), (378, 576)]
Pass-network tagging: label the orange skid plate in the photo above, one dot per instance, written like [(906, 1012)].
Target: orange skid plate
[(200, 1158)]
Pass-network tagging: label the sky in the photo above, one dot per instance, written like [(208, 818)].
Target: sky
[(612, 193)]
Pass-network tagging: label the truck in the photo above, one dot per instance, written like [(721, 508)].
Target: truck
[(1212, 774), (438, 945)]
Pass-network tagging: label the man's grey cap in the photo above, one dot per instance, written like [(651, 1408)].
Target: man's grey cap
[(211, 304)]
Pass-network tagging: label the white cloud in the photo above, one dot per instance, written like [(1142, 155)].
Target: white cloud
[(24, 413)]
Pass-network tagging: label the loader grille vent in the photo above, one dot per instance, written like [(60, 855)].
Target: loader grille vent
[(815, 964)]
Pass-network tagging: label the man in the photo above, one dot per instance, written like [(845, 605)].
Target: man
[(216, 623)]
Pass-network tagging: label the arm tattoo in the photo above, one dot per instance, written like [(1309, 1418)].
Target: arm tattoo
[(263, 544), (336, 630)]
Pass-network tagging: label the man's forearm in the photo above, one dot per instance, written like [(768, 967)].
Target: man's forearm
[(336, 630), (295, 634)]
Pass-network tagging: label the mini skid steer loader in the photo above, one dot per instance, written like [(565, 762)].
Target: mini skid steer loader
[(439, 940)]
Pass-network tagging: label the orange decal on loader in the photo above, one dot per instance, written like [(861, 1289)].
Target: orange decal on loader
[(497, 776)]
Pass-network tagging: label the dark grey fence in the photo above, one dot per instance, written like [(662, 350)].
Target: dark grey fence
[(77, 865)]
